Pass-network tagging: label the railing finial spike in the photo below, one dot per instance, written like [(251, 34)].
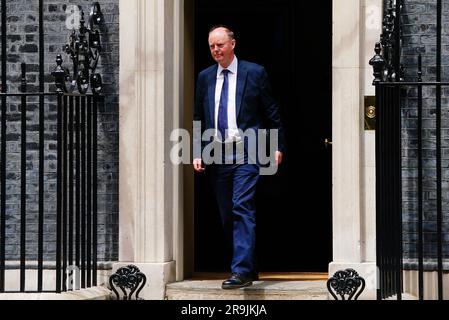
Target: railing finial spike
[(378, 64), (60, 74)]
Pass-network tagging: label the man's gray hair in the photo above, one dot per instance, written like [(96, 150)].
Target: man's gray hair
[(228, 30)]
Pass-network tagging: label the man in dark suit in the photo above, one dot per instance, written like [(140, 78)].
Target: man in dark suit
[(233, 97)]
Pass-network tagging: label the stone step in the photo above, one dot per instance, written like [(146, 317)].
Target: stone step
[(260, 290)]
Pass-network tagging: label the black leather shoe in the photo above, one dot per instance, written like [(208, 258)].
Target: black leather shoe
[(236, 281)]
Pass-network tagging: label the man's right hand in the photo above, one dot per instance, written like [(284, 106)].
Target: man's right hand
[(197, 165)]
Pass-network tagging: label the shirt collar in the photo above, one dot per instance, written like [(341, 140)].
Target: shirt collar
[(232, 67)]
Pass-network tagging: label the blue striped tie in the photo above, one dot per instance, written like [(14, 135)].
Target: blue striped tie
[(222, 123)]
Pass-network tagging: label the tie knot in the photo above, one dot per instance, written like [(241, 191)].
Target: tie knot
[(225, 72)]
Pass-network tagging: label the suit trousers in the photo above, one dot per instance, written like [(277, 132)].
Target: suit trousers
[(235, 187)]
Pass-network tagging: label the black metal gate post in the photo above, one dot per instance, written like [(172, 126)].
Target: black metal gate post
[(389, 85), (23, 180), (3, 152), (420, 188), (59, 196), (40, 254), (438, 151)]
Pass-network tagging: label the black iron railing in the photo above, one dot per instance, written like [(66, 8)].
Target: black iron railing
[(76, 214), (388, 71), (67, 214), (390, 89), (77, 186), (3, 150)]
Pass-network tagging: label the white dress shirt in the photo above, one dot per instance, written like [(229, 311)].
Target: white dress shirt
[(233, 133)]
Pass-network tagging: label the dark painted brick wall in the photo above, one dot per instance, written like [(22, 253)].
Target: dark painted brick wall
[(22, 46), (419, 36)]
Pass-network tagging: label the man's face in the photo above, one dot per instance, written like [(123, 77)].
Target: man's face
[(221, 47)]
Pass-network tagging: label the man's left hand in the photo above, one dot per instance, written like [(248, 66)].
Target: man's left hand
[(278, 157)]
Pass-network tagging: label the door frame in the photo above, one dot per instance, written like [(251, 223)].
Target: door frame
[(187, 56)]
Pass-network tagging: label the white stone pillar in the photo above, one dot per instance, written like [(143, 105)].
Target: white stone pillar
[(351, 234), (147, 177), (372, 13), (347, 130)]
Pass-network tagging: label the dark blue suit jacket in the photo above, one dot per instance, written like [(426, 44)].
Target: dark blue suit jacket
[(255, 106)]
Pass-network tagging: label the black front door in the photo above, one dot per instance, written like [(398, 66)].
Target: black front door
[(292, 40)]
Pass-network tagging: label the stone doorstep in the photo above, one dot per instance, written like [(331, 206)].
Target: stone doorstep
[(405, 296), (260, 290), (94, 293)]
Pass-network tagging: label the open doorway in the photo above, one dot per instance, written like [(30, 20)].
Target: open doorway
[(294, 207)]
